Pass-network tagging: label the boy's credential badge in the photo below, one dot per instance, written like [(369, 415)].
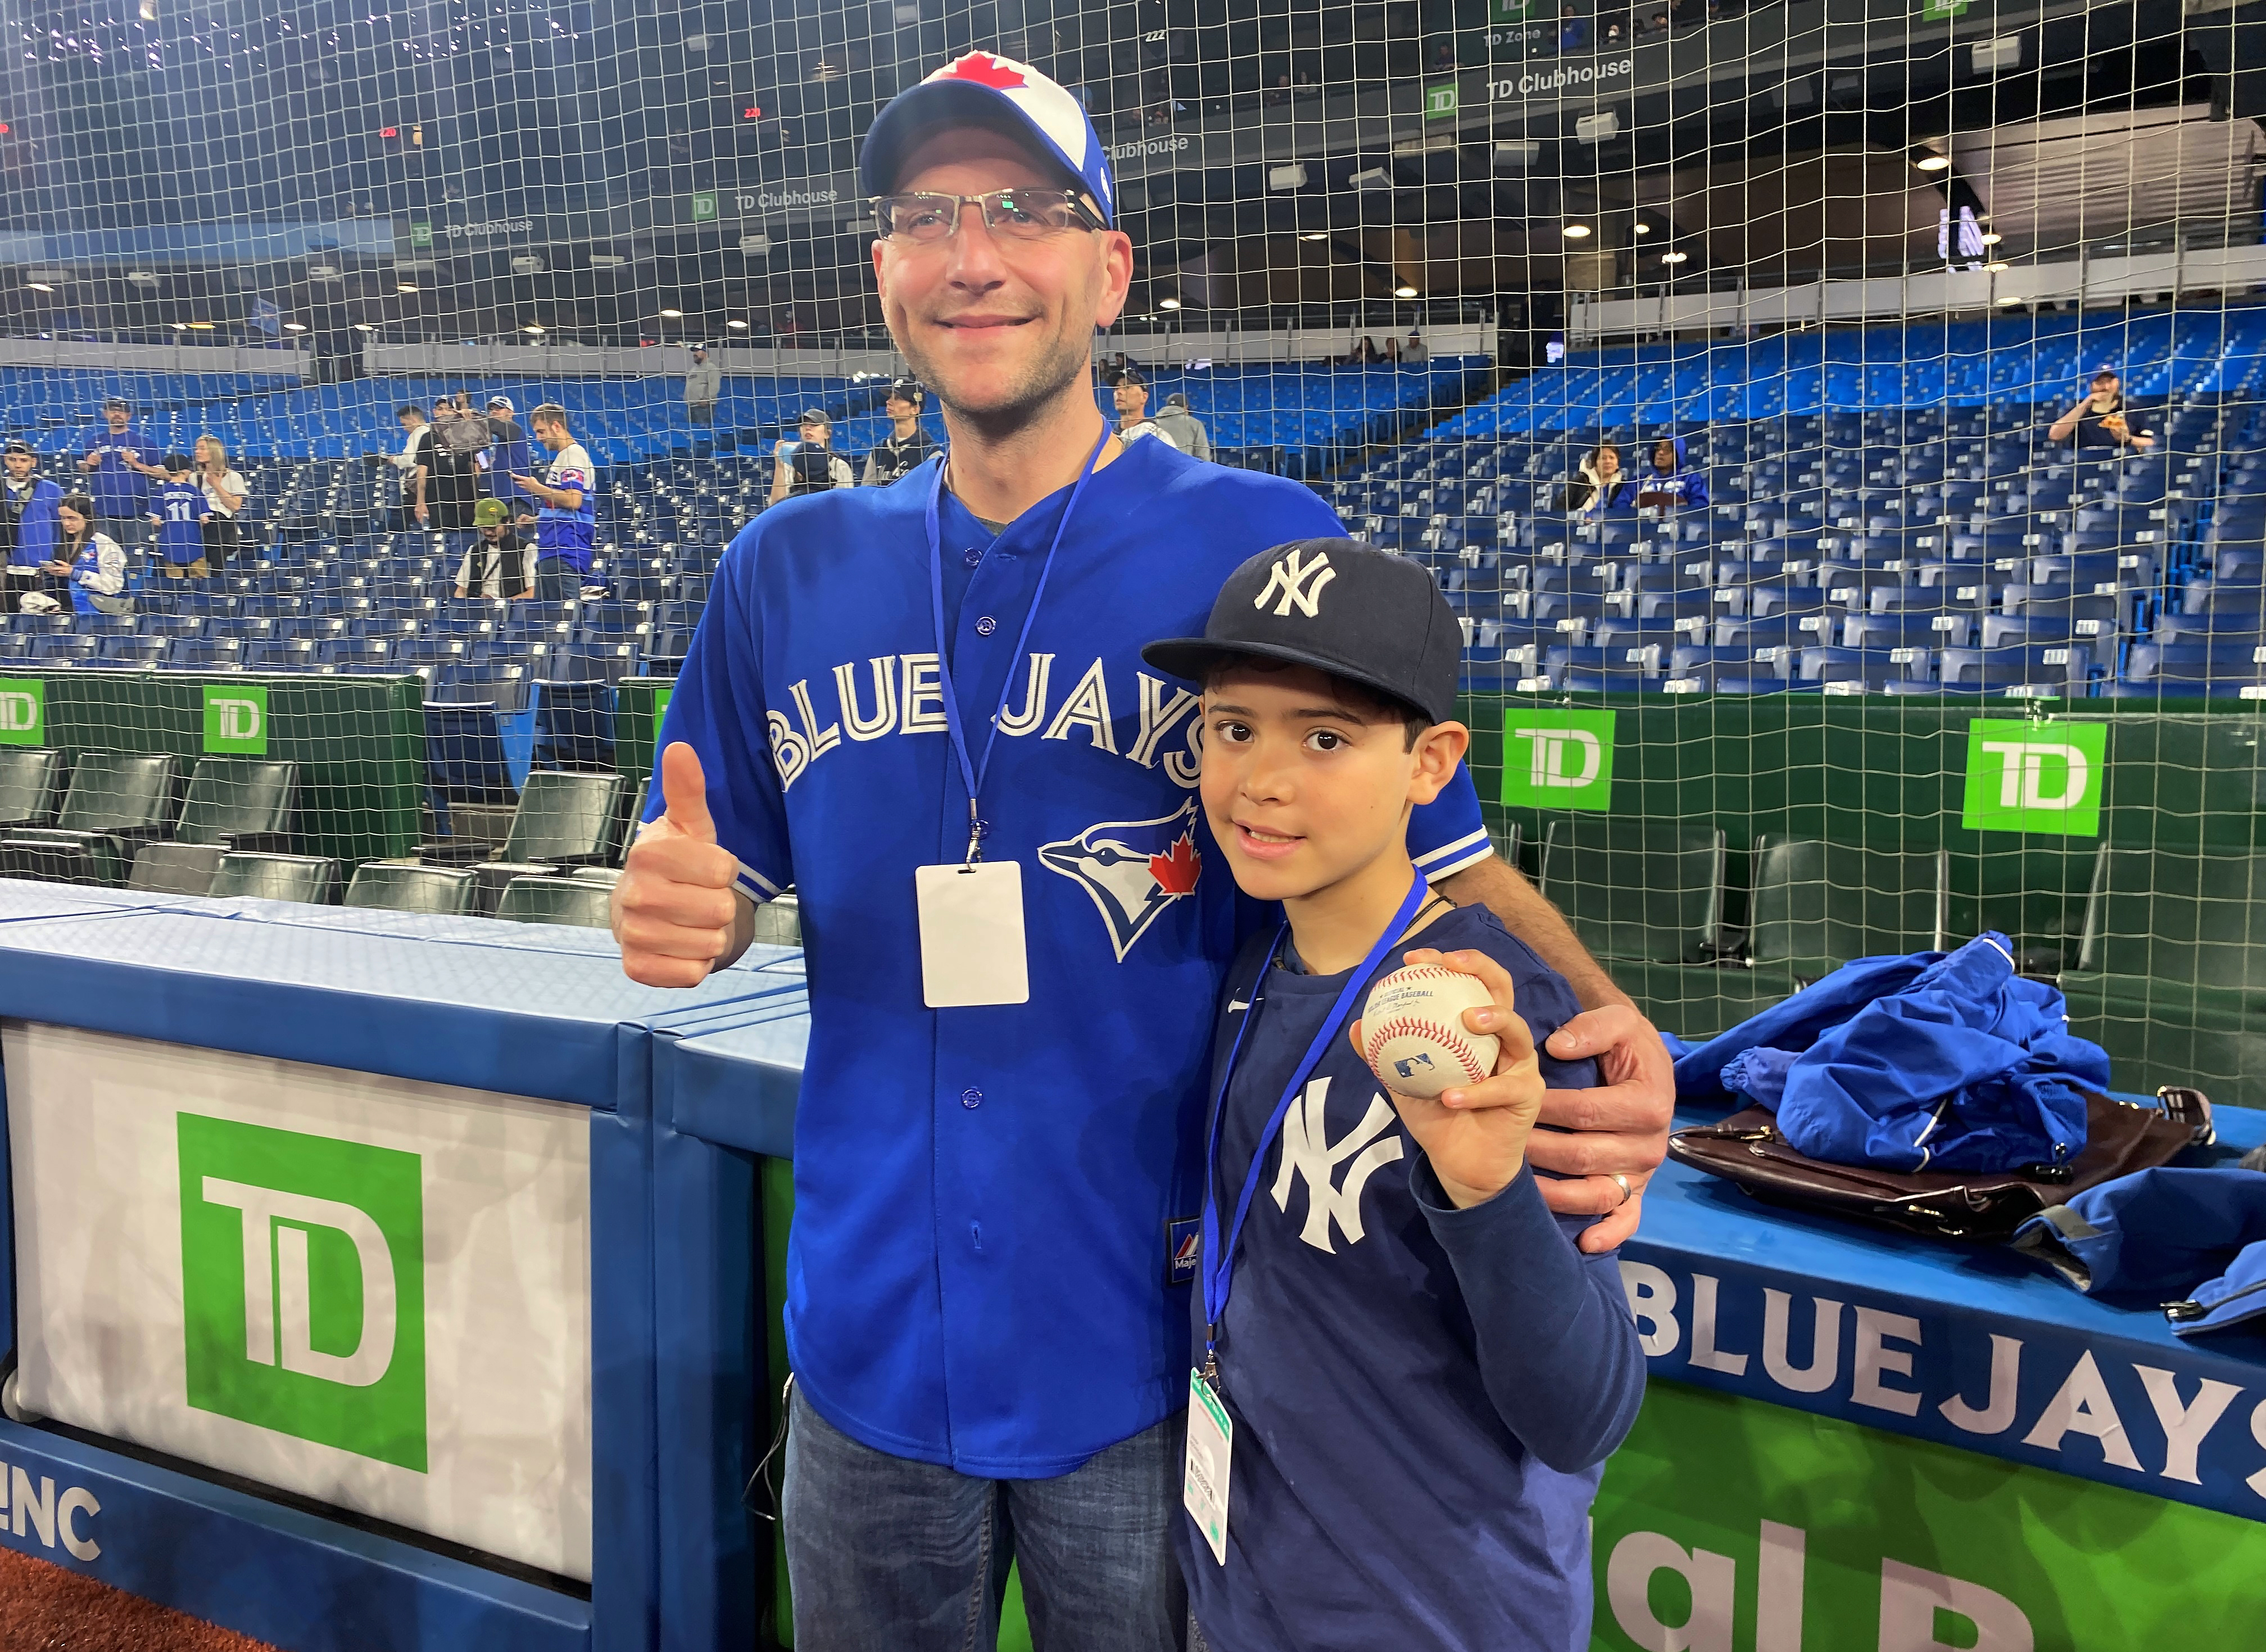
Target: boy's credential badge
[(1211, 1453)]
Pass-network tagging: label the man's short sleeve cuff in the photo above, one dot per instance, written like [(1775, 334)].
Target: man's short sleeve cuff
[(1450, 858)]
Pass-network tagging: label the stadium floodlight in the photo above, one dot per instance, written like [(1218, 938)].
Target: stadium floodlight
[(738, 326), (1515, 155), (1575, 231), (1641, 228), (1315, 235), (404, 286), (1404, 291), (1371, 178), (295, 326), (180, 326), (39, 286), (1673, 257), (1933, 162), (360, 326), (1991, 237), (1291, 177), (533, 329), (1598, 128), (1168, 303), (672, 315)]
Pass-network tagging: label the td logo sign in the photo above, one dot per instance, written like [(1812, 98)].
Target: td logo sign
[(303, 1286), (1557, 759), (23, 710), (236, 718), (2040, 778)]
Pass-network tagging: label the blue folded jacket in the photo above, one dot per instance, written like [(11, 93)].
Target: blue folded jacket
[(2155, 1233), (1934, 1061)]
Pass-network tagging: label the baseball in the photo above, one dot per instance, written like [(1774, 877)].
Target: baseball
[(1413, 1032)]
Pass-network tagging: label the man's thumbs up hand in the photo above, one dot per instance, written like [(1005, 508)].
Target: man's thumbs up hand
[(675, 909)]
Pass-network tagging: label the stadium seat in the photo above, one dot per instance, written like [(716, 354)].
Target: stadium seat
[(30, 785), (562, 821), (312, 879), (535, 899), (116, 802), (240, 803), (1817, 905), (175, 868), (1644, 890), (412, 888)]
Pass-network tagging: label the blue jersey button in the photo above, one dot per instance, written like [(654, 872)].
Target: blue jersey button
[(972, 555), (971, 1099), (986, 625)]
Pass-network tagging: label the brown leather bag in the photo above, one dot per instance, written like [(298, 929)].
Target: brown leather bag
[(2121, 1138)]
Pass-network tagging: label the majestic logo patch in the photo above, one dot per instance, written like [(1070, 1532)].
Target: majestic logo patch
[(1132, 869), (1183, 1244), (1300, 583)]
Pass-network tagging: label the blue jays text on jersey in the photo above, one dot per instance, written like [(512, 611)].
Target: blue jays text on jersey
[(978, 1270)]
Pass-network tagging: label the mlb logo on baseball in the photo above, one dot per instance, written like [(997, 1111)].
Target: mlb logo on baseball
[(1413, 1033)]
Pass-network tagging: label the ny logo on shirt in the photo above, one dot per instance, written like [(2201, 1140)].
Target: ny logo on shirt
[(1308, 1152), (1299, 582)]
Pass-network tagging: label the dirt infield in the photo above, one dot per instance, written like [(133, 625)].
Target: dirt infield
[(48, 1609)]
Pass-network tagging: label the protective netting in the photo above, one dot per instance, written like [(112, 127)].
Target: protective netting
[(1735, 368)]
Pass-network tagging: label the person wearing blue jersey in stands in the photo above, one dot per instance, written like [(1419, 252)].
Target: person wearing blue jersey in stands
[(179, 508), (28, 529), (1671, 482), (509, 449), (924, 707), (91, 561), (566, 527), (1408, 1375), (121, 495)]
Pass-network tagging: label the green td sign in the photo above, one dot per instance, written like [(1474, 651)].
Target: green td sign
[(1934, 10), (421, 234), (303, 1286), (661, 698), (1440, 102), (23, 712), (2045, 778), (1558, 758), (703, 207), (236, 718)]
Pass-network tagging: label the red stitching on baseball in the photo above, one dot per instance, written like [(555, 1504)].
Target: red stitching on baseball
[(1448, 1039)]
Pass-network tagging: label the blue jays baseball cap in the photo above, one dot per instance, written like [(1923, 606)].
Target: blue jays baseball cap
[(980, 89)]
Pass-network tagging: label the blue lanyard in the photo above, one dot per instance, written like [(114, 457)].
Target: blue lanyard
[(970, 772), (1219, 1260)]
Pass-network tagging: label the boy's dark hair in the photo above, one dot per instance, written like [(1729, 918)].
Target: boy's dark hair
[(178, 463), (1357, 698), (81, 503)]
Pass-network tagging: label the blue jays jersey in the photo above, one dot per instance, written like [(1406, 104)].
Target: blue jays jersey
[(982, 1263)]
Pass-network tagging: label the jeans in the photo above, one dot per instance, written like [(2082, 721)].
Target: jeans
[(885, 1553), (557, 581), (701, 413)]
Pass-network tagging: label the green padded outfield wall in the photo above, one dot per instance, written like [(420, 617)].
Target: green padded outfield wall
[(1908, 775), (358, 741)]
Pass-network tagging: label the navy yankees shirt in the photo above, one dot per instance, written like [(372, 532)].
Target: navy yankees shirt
[(980, 1272), (1423, 1398)]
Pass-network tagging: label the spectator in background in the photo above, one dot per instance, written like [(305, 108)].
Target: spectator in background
[(1671, 483), (704, 382), (1281, 94), (1599, 484), (409, 465), (1573, 28), (28, 503), (508, 450), (121, 497), (907, 446), (2100, 419), (1415, 350), (449, 480), (1183, 428), (225, 493), (177, 507), (495, 564), (1131, 396), (91, 562), (566, 528), (808, 465)]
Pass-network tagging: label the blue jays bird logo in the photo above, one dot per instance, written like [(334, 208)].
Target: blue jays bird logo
[(1133, 869)]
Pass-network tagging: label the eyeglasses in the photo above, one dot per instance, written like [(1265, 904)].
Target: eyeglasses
[(1020, 214)]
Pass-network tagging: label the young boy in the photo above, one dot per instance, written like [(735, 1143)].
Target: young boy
[(178, 506), (1410, 1377)]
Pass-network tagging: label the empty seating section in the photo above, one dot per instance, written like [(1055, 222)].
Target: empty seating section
[(1886, 513)]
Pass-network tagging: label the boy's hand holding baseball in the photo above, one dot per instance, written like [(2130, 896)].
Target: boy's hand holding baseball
[(1475, 1136)]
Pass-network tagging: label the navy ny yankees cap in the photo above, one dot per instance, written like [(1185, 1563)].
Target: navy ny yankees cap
[(1341, 607)]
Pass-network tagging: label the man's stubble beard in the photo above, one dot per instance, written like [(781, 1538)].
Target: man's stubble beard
[(1063, 365)]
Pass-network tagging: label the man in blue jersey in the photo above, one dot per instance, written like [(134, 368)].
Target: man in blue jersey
[(567, 526), (923, 706), (121, 495)]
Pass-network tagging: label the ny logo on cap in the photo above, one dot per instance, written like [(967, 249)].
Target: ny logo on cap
[(1301, 583)]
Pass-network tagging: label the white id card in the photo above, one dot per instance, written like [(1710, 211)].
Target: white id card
[(1211, 1442), (971, 935)]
